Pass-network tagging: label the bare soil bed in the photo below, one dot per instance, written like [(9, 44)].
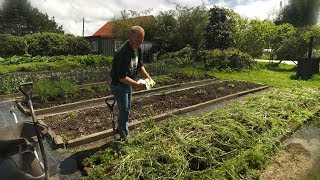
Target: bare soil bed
[(96, 92), (76, 124)]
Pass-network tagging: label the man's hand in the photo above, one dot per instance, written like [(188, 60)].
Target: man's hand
[(141, 82)]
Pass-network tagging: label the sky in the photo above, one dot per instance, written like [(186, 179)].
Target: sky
[(70, 13)]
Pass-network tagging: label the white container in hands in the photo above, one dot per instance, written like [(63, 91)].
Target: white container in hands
[(149, 83)]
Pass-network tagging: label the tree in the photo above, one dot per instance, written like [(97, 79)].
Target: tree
[(294, 47), (167, 32), (192, 23), (122, 25), (255, 37), (19, 18), (219, 30), (300, 13)]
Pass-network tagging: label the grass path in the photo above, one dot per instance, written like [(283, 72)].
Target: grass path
[(277, 76)]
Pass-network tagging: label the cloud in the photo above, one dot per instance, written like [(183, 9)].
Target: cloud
[(222, 3), (69, 13), (261, 9)]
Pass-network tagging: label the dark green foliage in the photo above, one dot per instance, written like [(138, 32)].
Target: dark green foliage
[(43, 44), (19, 18), (292, 48), (167, 32), (191, 26), (232, 59), (300, 13), (218, 32), (11, 45), (296, 46), (53, 44), (182, 27), (187, 53)]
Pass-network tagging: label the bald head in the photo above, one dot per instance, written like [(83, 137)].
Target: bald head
[(136, 36)]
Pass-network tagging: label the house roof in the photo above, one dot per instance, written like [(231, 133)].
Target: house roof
[(106, 30)]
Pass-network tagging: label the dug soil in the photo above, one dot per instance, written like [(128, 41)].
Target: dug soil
[(86, 94), (88, 121)]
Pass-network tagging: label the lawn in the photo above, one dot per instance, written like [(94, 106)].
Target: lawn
[(272, 75)]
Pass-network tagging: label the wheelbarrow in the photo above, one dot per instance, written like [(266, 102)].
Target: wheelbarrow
[(19, 139)]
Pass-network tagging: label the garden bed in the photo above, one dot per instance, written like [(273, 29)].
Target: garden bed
[(84, 122), (233, 142), (98, 90)]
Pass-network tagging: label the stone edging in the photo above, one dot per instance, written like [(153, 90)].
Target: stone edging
[(109, 132)]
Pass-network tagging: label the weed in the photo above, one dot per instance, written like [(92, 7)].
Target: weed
[(71, 114), (148, 110), (231, 85), (182, 97), (199, 92), (65, 139), (221, 89), (162, 93)]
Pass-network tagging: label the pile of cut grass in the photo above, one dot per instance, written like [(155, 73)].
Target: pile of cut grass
[(233, 142)]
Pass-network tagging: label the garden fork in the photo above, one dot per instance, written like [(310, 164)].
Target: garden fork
[(111, 105)]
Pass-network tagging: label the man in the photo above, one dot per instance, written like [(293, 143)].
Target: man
[(127, 62)]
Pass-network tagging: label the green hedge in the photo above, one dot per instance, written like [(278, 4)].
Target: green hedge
[(11, 45), (43, 44)]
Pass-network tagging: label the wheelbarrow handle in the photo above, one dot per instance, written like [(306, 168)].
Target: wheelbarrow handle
[(110, 105), (26, 88)]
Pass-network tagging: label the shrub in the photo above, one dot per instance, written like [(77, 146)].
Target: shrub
[(43, 44), (179, 58), (225, 59), (11, 45)]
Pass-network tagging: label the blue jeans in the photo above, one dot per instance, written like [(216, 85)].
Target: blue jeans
[(122, 94)]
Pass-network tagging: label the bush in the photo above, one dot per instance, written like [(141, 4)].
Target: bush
[(225, 59), (11, 45), (179, 58), (43, 44), (50, 44)]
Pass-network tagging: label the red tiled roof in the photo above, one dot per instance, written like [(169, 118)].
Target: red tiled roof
[(106, 30)]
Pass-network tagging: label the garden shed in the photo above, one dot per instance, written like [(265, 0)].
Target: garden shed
[(104, 41)]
